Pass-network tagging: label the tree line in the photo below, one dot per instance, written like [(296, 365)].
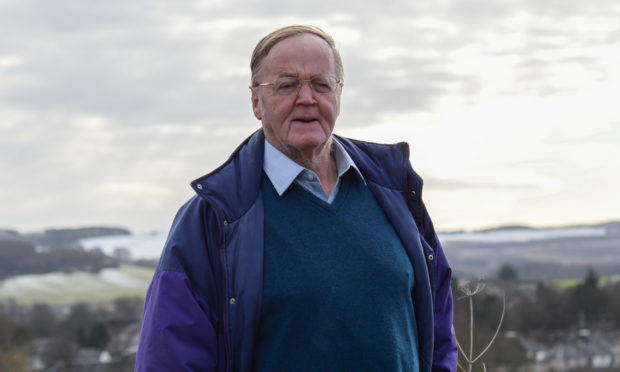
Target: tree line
[(19, 257), (54, 335), (536, 310), (540, 311)]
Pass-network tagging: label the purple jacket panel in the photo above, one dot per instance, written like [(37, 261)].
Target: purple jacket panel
[(189, 343), (445, 352)]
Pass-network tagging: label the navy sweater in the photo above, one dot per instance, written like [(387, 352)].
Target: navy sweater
[(337, 285)]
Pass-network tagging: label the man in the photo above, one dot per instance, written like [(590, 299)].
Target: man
[(304, 251)]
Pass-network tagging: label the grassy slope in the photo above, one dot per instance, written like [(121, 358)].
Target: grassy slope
[(571, 283), (68, 288)]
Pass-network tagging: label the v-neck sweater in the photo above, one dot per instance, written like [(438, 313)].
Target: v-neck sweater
[(337, 285)]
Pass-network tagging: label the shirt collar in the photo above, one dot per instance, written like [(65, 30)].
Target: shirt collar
[(282, 171)]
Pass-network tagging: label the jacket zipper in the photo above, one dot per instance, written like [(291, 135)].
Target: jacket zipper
[(224, 322)]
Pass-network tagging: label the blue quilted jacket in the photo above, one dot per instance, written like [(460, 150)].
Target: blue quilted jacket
[(203, 305)]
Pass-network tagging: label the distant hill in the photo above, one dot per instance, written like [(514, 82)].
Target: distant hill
[(55, 238), (536, 253), (20, 257), (9, 234), (508, 228), (614, 225), (52, 250)]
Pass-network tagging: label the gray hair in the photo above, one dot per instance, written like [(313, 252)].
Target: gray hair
[(266, 43)]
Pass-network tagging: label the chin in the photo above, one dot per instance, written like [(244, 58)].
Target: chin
[(308, 142)]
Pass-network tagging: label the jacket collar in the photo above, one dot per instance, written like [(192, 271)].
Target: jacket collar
[(234, 186), (282, 171), (385, 165)]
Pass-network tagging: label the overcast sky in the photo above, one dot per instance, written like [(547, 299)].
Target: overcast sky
[(108, 109)]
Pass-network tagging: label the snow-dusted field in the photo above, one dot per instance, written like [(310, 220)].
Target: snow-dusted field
[(66, 288), (146, 246), (537, 254), (523, 235), (471, 254), (149, 246)]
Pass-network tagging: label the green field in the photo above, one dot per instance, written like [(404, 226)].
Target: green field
[(571, 283), (69, 288)]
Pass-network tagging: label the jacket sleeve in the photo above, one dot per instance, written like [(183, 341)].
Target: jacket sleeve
[(180, 323), (445, 352), (178, 333)]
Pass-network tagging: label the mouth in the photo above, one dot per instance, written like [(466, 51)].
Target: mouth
[(305, 120)]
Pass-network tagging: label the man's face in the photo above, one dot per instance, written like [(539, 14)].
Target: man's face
[(302, 122)]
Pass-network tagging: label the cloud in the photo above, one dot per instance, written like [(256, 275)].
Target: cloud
[(444, 184), (155, 93)]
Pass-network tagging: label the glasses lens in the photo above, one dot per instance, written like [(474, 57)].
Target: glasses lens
[(286, 86), (322, 85)]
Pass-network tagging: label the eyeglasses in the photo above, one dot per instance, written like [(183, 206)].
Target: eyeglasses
[(286, 86)]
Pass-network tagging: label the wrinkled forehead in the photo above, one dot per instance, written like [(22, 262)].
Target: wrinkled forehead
[(304, 55)]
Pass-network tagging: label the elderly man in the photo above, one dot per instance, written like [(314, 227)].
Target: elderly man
[(305, 251)]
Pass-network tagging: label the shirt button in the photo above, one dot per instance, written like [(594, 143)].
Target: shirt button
[(310, 177), (430, 257), (232, 300), (199, 187)]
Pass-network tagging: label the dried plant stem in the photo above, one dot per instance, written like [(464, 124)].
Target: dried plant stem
[(501, 320), (470, 359), (471, 331)]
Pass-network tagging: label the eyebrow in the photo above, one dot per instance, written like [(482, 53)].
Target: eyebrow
[(292, 75)]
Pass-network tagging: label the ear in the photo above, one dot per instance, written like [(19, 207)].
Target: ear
[(258, 113), (340, 86)]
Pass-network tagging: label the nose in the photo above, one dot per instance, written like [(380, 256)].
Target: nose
[(305, 94)]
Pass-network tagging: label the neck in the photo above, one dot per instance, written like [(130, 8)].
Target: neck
[(321, 161)]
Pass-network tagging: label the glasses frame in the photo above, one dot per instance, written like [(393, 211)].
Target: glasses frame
[(336, 83)]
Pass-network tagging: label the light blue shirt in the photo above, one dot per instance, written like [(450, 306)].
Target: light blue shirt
[(282, 171)]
